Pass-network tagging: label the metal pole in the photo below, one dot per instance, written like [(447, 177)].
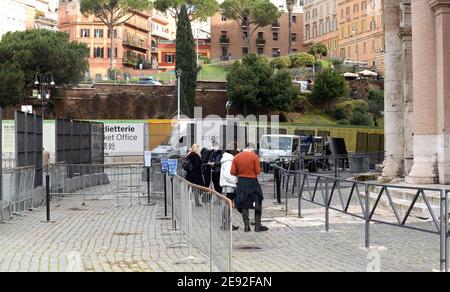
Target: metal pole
[(148, 185), (230, 260), (367, 216), (444, 230), (327, 207), (179, 97), (174, 225), (300, 194), (47, 191), (287, 190), (165, 195), (211, 233)]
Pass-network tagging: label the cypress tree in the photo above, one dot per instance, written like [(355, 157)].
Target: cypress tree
[(186, 58)]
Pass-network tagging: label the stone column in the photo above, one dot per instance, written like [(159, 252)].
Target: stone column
[(405, 34), (424, 170), (393, 98), (441, 9)]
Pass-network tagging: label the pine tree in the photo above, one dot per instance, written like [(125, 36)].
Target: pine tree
[(186, 58)]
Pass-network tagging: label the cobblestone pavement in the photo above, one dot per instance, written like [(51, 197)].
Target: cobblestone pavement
[(103, 237)]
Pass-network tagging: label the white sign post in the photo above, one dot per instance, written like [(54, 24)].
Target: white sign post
[(148, 158)]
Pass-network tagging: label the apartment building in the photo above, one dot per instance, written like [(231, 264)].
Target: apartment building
[(361, 33), (131, 39), (20, 15), (321, 25), (162, 30), (227, 41)]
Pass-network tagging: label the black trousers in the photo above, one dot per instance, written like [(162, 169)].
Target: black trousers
[(258, 216)]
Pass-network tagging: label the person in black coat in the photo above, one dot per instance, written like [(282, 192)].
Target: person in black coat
[(194, 173)]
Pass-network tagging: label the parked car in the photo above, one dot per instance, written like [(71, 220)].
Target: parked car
[(148, 81)]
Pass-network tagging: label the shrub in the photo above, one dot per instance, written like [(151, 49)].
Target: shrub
[(343, 122), (283, 62), (301, 104), (340, 113), (345, 107), (302, 60), (361, 118), (329, 86)]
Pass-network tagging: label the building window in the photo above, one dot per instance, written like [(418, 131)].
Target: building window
[(347, 13), (276, 52), (364, 6), (245, 35), (98, 33), (275, 36), (98, 52), (261, 51), (224, 18), (260, 35), (115, 53), (115, 33), (84, 33), (364, 48), (294, 19), (169, 58), (294, 37), (355, 8), (244, 51), (223, 33)]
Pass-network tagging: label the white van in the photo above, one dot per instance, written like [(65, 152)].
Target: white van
[(273, 147)]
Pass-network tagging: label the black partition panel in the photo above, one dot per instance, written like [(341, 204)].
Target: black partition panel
[(29, 143), (79, 142)]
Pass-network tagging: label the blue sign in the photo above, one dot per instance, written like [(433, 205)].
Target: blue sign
[(164, 165), (173, 167)]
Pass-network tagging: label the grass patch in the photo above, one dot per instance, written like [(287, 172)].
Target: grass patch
[(213, 72), (312, 119)]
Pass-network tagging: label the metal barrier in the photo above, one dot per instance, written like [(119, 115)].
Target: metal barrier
[(371, 202), (18, 186), (203, 219), (123, 181)]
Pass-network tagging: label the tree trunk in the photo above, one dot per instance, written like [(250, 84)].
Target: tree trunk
[(111, 55)]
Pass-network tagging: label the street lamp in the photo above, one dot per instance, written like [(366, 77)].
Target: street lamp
[(290, 7), (228, 106), (43, 82)]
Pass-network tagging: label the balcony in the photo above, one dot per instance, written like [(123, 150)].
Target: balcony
[(260, 42), (276, 25), (224, 40), (135, 42)]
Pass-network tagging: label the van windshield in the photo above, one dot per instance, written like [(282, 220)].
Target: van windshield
[(276, 143)]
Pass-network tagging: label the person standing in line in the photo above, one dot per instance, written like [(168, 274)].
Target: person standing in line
[(214, 162), (246, 166), (228, 183), (193, 167)]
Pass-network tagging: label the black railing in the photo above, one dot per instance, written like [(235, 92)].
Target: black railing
[(367, 200)]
